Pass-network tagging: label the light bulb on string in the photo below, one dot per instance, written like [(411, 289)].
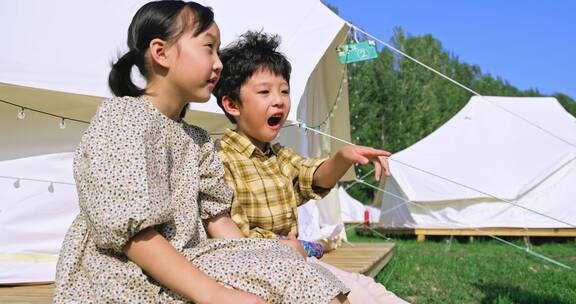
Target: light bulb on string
[(17, 184), (302, 126), (51, 188), (62, 124), (21, 114)]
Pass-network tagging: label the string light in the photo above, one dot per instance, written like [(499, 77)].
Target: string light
[(18, 180), (334, 106), (51, 187), (21, 114), (344, 79)]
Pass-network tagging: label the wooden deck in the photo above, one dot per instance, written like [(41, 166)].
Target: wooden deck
[(421, 233), (33, 294), (365, 258)]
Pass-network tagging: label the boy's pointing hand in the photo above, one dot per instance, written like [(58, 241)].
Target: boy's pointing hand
[(328, 174), (362, 155)]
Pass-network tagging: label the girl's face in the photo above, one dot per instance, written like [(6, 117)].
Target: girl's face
[(194, 63)]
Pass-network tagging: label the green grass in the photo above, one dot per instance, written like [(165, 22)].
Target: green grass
[(485, 271)]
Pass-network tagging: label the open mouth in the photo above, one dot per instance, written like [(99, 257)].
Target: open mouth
[(212, 81), (274, 120)]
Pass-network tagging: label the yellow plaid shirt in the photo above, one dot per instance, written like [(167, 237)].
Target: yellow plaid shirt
[(268, 187)]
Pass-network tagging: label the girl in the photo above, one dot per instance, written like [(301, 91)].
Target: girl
[(151, 188)]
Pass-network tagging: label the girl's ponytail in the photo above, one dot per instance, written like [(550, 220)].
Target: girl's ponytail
[(120, 80)]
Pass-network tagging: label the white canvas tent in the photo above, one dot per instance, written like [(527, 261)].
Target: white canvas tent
[(314, 226), (488, 146), (352, 210), (56, 57)]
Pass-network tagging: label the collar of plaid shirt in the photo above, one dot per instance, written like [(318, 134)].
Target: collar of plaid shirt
[(245, 147)]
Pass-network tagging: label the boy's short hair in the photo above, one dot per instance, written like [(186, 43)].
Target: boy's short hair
[(244, 57)]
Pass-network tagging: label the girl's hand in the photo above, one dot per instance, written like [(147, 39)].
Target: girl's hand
[(362, 155), (293, 243), (227, 295)]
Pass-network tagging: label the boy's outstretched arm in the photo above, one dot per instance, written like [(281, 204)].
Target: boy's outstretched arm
[(330, 172)]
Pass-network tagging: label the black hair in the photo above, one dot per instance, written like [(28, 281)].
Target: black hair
[(166, 20), (253, 51)]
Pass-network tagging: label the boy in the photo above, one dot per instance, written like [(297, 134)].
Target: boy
[(270, 182)]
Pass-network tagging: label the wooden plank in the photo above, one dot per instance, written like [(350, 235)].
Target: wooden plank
[(34, 294), (366, 258), (546, 232), (376, 268), (497, 231)]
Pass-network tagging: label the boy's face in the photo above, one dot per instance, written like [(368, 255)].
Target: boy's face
[(265, 104)]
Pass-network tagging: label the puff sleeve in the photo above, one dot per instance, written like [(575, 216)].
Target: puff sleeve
[(121, 176), (215, 197)]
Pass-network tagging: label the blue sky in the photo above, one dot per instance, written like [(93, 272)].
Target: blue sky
[(531, 44)]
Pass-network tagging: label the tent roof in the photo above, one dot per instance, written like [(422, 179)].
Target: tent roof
[(56, 58), (501, 146), (70, 48)]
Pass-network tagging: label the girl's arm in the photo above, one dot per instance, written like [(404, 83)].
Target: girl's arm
[(159, 259), (293, 243), (222, 227), (330, 171)]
